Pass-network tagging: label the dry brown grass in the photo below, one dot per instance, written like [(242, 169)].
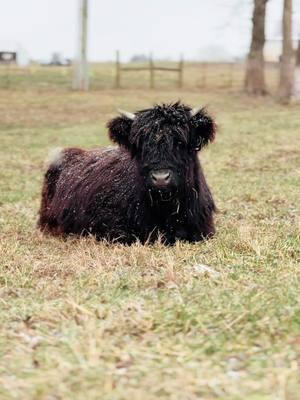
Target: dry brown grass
[(196, 75), (85, 319)]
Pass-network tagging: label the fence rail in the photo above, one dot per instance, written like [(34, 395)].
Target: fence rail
[(197, 75), (151, 67)]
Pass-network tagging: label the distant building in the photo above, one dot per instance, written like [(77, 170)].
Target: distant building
[(8, 57), (58, 60), (12, 53), (139, 58), (273, 48)]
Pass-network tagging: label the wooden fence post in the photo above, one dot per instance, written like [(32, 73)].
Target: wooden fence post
[(118, 70), (179, 69), (230, 78), (151, 66), (180, 72), (203, 74)]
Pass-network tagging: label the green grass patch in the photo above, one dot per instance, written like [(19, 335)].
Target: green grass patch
[(85, 319)]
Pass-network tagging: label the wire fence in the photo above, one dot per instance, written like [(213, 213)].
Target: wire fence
[(192, 75)]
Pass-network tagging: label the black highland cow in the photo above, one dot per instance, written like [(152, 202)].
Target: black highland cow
[(151, 184)]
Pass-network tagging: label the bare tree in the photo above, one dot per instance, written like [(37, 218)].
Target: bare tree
[(298, 54), (255, 75), (286, 81)]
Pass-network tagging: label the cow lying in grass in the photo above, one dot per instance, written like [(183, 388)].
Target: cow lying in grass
[(151, 184)]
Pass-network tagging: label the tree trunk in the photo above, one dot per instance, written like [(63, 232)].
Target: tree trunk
[(296, 93), (298, 55), (255, 74), (286, 81)]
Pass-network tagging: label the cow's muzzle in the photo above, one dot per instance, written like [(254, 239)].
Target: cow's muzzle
[(161, 178)]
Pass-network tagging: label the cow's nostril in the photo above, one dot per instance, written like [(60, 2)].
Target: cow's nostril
[(164, 176), (161, 178)]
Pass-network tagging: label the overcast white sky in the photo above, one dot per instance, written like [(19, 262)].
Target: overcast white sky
[(195, 28)]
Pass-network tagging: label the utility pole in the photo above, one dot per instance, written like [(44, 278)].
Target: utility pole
[(81, 77), (287, 67)]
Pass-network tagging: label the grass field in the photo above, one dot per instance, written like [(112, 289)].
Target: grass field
[(87, 320), (195, 75)]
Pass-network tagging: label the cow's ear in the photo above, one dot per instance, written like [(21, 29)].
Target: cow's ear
[(203, 128), (119, 130)]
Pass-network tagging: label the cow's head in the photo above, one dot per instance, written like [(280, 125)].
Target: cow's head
[(164, 140)]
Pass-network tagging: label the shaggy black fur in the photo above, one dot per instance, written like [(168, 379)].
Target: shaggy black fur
[(109, 192)]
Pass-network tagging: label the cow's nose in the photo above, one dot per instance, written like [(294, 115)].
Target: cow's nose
[(161, 177)]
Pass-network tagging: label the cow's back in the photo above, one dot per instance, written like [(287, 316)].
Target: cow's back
[(90, 192)]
